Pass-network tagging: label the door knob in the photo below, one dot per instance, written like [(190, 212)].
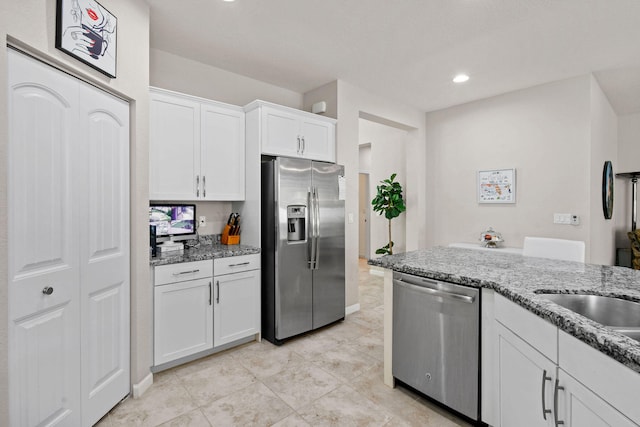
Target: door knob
[(48, 290)]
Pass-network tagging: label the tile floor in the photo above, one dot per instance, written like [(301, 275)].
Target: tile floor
[(332, 377)]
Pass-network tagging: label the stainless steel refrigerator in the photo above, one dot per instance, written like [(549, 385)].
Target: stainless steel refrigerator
[(303, 280)]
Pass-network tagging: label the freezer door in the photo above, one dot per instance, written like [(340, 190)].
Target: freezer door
[(293, 287), (329, 276)]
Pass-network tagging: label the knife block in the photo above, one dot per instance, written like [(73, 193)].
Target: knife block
[(226, 239)]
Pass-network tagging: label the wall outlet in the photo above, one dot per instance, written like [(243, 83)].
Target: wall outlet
[(202, 221)]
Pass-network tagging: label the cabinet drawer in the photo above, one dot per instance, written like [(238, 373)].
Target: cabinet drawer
[(236, 264), (184, 271)]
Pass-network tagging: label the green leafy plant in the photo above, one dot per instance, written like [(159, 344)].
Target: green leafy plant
[(389, 202)]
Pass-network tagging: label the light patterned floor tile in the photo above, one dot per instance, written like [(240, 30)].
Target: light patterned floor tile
[(302, 384), (194, 418), (217, 381), (265, 359), (371, 344), (161, 403), (255, 405), (345, 362), (293, 420), (344, 407)]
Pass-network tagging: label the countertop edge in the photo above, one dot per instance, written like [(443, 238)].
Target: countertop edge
[(203, 253)]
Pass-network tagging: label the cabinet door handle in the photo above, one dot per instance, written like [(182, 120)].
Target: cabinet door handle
[(197, 185), (204, 186), (47, 290), (298, 147), (545, 411), (218, 289), (238, 265), (186, 272), (555, 404), (304, 145), (210, 293)]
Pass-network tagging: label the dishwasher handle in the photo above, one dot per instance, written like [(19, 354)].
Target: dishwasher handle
[(435, 292)]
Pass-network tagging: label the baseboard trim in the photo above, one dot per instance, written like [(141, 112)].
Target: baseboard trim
[(142, 386), (376, 272), (351, 309)]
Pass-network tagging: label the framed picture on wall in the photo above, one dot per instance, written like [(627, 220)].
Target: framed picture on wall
[(88, 32), (497, 186)]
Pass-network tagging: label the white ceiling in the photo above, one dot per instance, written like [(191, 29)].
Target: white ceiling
[(409, 50)]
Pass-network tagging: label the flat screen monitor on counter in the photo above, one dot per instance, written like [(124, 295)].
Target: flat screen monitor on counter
[(173, 221)]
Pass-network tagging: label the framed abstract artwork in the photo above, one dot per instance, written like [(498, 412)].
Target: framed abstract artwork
[(88, 32)]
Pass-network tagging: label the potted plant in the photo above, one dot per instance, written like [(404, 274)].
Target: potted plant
[(388, 201)]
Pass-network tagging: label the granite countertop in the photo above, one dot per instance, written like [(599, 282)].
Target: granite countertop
[(205, 250), (518, 278)]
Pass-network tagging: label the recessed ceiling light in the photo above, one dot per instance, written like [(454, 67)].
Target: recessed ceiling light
[(229, 0), (460, 78)]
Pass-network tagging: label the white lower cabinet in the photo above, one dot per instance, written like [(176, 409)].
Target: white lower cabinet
[(183, 310), (525, 382), (237, 298), (196, 313), (531, 381)]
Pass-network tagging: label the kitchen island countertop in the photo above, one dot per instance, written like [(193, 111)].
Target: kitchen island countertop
[(520, 278)]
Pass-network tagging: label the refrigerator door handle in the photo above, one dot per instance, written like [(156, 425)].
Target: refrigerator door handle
[(311, 230), (316, 206)]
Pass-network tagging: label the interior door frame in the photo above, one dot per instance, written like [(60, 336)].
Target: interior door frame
[(364, 233)]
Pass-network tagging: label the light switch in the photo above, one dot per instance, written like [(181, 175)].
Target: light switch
[(350, 218)]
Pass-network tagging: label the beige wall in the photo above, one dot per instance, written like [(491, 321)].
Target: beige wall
[(604, 146), (30, 24), (556, 136), (327, 93), (169, 71), (352, 103)]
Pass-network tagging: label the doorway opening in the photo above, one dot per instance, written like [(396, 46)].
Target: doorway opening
[(382, 152)]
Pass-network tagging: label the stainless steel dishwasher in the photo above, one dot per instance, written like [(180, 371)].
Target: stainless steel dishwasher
[(436, 340)]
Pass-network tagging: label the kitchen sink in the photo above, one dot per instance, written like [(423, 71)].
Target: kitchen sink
[(618, 314)]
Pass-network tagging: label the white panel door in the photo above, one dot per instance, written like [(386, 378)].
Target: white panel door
[(183, 319), (44, 344), (318, 140), (280, 133), (222, 153), (104, 252), (526, 379), (174, 148), (236, 313)]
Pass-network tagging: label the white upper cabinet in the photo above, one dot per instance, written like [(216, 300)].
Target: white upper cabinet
[(196, 148), (174, 147), (289, 132)]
